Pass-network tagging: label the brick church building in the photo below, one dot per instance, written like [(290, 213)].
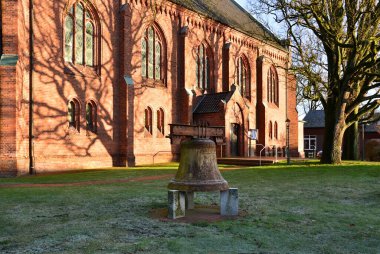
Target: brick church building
[(89, 83)]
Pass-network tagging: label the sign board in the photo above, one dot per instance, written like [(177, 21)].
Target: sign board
[(253, 134), (128, 80)]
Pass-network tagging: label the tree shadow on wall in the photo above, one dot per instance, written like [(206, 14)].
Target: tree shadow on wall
[(55, 86)]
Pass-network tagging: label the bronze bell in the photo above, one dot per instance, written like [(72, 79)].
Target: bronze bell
[(198, 168)]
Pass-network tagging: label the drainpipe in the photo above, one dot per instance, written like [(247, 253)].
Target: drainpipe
[(31, 68), (287, 108)]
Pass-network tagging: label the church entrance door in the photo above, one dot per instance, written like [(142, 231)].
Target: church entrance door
[(234, 137)]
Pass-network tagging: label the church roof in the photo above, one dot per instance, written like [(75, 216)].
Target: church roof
[(316, 119), (210, 103), (230, 13)]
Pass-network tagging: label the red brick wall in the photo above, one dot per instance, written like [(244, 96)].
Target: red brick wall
[(319, 133), (9, 26), (293, 115), (214, 119), (121, 137), (276, 113), (54, 84), (8, 149), (8, 81)]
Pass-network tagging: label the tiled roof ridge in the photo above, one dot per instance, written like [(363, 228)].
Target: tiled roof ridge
[(199, 103), (252, 29)]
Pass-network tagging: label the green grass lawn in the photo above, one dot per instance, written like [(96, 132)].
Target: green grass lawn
[(306, 208)]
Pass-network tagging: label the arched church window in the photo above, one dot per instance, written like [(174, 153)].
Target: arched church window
[(91, 116), (73, 114), (272, 85), (80, 35), (152, 54), (148, 120), (275, 130), (270, 129), (243, 76), (161, 121), (203, 68)]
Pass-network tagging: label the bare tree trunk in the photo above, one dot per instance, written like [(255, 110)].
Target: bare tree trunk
[(328, 137), (338, 140), (335, 127), (351, 143)]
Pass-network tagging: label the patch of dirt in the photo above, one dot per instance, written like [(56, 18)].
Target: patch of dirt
[(86, 183), (200, 214)]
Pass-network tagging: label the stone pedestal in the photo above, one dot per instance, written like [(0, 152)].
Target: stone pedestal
[(229, 202), (180, 201), (176, 204), (189, 200)]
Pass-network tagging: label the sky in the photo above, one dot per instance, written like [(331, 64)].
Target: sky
[(274, 27)]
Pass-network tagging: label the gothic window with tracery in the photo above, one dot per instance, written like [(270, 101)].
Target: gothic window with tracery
[(152, 54), (203, 68), (272, 86), (80, 35), (243, 76)]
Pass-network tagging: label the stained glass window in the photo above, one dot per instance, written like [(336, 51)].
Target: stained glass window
[(203, 67), (89, 44), (272, 86), (197, 71), (143, 57), (207, 71), (150, 52), (69, 38), (242, 77), (79, 36), (152, 55), (157, 62)]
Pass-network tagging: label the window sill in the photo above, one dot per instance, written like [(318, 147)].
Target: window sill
[(153, 83), (247, 98), (8, 60), (160, 135), (80, 70), (273, 105), (72, 131), (90, 133), (147, 133)]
